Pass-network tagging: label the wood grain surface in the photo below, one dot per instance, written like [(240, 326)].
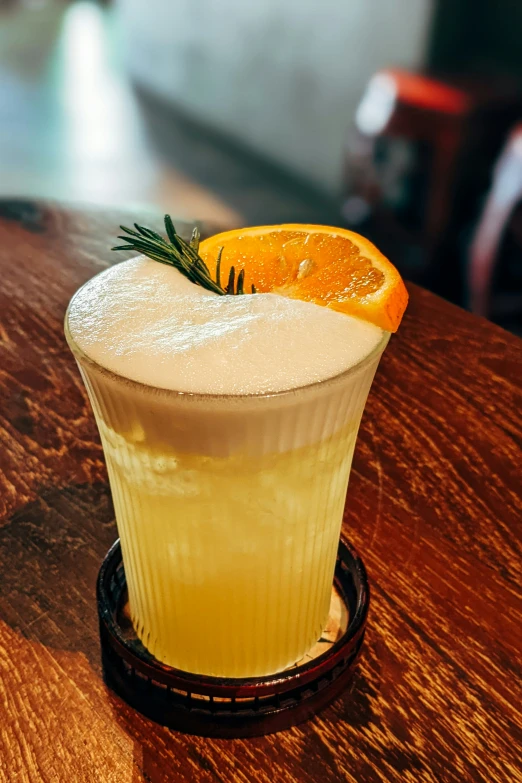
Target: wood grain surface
[(433, 506)]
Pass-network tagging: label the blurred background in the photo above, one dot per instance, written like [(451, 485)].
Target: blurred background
[(401, 120)]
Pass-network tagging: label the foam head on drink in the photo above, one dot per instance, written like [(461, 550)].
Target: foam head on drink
[(228, 425)]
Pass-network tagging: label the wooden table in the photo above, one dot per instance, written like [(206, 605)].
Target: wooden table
[(433, 508)]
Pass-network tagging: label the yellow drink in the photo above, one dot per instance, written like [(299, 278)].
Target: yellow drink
[(229, 560), (229, 506)]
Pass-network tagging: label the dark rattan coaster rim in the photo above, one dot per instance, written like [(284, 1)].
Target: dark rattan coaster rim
[(213, 706)]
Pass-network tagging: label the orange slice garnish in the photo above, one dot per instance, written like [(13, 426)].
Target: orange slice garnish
[(332, 267)]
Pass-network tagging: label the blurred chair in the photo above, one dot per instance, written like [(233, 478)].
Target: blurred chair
[(407, 105), (451, 131), (485, 249)]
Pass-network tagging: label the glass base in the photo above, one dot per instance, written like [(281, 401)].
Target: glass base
[(225, 707)]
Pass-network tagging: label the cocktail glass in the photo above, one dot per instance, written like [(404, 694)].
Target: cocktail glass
[(229, 510)]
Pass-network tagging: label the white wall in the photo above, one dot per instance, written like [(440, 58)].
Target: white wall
[(284, 76)]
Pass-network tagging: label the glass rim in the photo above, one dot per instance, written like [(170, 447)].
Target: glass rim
[(79, 353)]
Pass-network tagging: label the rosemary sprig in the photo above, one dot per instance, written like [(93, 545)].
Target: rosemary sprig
[(182, 255)]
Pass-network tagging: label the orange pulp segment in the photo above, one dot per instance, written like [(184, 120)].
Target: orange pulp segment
[(332, 267)]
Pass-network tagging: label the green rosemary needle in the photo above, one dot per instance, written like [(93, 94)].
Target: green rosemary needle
[(182, 255)]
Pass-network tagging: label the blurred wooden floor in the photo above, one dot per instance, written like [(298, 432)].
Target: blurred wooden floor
[(73, 128), (70, 124)]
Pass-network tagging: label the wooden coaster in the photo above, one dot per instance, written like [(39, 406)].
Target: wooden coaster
[(221, 707)]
